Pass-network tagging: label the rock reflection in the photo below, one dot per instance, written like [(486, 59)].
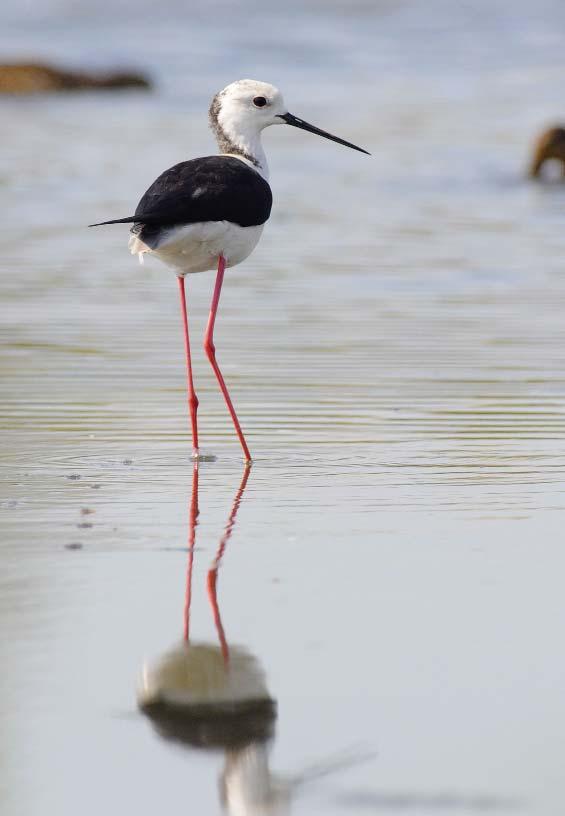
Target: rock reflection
[(209, 696)]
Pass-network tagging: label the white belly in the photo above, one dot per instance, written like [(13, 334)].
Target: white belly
[(196, 247)]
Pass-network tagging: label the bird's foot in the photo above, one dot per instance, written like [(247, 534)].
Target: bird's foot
[(198, 456)]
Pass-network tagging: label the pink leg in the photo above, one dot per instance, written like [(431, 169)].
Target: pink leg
[(210, 350), (192, 398)]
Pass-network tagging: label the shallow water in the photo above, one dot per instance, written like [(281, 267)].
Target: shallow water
[(395, 349)]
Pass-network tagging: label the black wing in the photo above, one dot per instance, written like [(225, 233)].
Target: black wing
[(213, 188)]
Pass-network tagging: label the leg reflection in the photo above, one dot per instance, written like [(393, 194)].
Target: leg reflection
[(200, 693), (192, 522), (213, 571)]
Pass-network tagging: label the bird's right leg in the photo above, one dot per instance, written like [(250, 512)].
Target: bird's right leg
[(192, 398), (210, 350)]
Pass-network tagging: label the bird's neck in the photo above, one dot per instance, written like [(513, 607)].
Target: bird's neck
[(243, 145)]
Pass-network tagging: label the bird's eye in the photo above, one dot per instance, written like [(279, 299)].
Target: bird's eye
[(259, 101)]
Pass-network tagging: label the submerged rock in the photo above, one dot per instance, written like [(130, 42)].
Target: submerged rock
[(550, 145), (35, 77)]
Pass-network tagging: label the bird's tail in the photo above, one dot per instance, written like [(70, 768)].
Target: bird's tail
[(129, 220)]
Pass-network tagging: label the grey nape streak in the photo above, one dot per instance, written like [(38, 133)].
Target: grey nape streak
[(224, 142)]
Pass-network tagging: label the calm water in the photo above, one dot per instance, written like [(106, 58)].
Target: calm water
[(396, 351)]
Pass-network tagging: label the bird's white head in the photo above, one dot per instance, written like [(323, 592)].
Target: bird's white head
[(243, 109), (248, 105), (239, 113)]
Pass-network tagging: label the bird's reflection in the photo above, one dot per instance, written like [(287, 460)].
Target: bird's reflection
[(215, 696)]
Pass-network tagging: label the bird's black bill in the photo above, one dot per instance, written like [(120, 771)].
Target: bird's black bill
[(300, 123)]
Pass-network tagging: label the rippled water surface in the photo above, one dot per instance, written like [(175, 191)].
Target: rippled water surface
[(395, 348)]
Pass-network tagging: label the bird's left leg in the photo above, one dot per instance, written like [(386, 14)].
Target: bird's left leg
[(192, 398), (210, 350)]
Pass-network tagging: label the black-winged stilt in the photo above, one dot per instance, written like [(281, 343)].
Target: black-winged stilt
[(209, 212)]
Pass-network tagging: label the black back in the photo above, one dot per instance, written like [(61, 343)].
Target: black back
[(213, 188)]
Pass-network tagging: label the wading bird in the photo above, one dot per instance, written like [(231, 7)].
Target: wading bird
[(209, 213)]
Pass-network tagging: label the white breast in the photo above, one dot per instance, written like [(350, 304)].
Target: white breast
[(196, 247)]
